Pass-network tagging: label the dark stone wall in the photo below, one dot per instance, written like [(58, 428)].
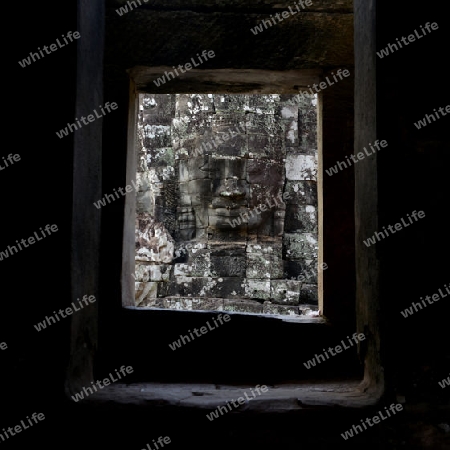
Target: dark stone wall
[(319, 37), (87, 162), (41, 103), (414, 262)]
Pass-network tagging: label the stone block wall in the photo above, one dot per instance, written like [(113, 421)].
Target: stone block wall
[(227, 203)]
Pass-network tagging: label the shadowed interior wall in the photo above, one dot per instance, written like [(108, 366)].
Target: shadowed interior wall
[(85, 243), (134, 334)]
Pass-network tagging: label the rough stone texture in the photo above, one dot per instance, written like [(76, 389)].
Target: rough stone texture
[(145, 292), (87, 157), (226, 200), (269, 5), (271, 308), (242, 306), (314, 33)]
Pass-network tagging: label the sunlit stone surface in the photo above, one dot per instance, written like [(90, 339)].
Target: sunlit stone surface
[(227, 203)]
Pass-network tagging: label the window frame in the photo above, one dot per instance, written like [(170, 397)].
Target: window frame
[(139, 84), (313, 329)]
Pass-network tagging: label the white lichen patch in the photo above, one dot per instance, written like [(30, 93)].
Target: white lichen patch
[(208, 286), (301, 167)]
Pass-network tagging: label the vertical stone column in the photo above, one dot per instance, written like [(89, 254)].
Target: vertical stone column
[(156, 196)]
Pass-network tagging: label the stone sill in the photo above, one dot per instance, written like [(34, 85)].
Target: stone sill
[(284, 398), (310, 319)]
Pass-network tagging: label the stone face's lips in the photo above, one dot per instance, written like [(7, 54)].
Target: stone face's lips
[(228, 212), (228, 203)]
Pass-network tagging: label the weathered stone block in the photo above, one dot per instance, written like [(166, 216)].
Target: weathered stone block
[(309, 310), (300, 218), (225, 145), (301, 167), (301, 192), (162, 158), (228, 249), (263, 124), (191, 146), (285, 310), (246, 306), (264, 104), (265, 172), (228, 266), (194, 303), (300, 246), (304, 269), (145, 202), (156, 136), (266, 146), (200, 124), (157, 109), (214, 287), (290, 132), (154, 303), (257, 289), (258, 266), (234, 102), (182, 270), (272, 248), (164, 288), (265, 201), (285, 292), (307, 126), (228, 287), (182, 303), (276, 268), (200, 262), (288, 111), (144, 292), (207, 304), (229, 122), (152, 272), (182, 286), (153, 242), (309, 294)]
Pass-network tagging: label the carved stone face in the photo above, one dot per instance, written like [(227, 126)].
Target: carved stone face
[(230, 192), (223, 194)]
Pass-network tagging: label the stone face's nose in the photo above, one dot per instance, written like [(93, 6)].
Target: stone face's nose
[(231, 190), (234, 194)]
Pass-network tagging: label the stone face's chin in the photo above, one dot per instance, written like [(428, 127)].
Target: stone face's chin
[(236, 218), (226, 223), (224, 219), (227, 212)]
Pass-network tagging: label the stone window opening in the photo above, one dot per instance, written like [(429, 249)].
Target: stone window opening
[(226, 203), (348, 210)]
